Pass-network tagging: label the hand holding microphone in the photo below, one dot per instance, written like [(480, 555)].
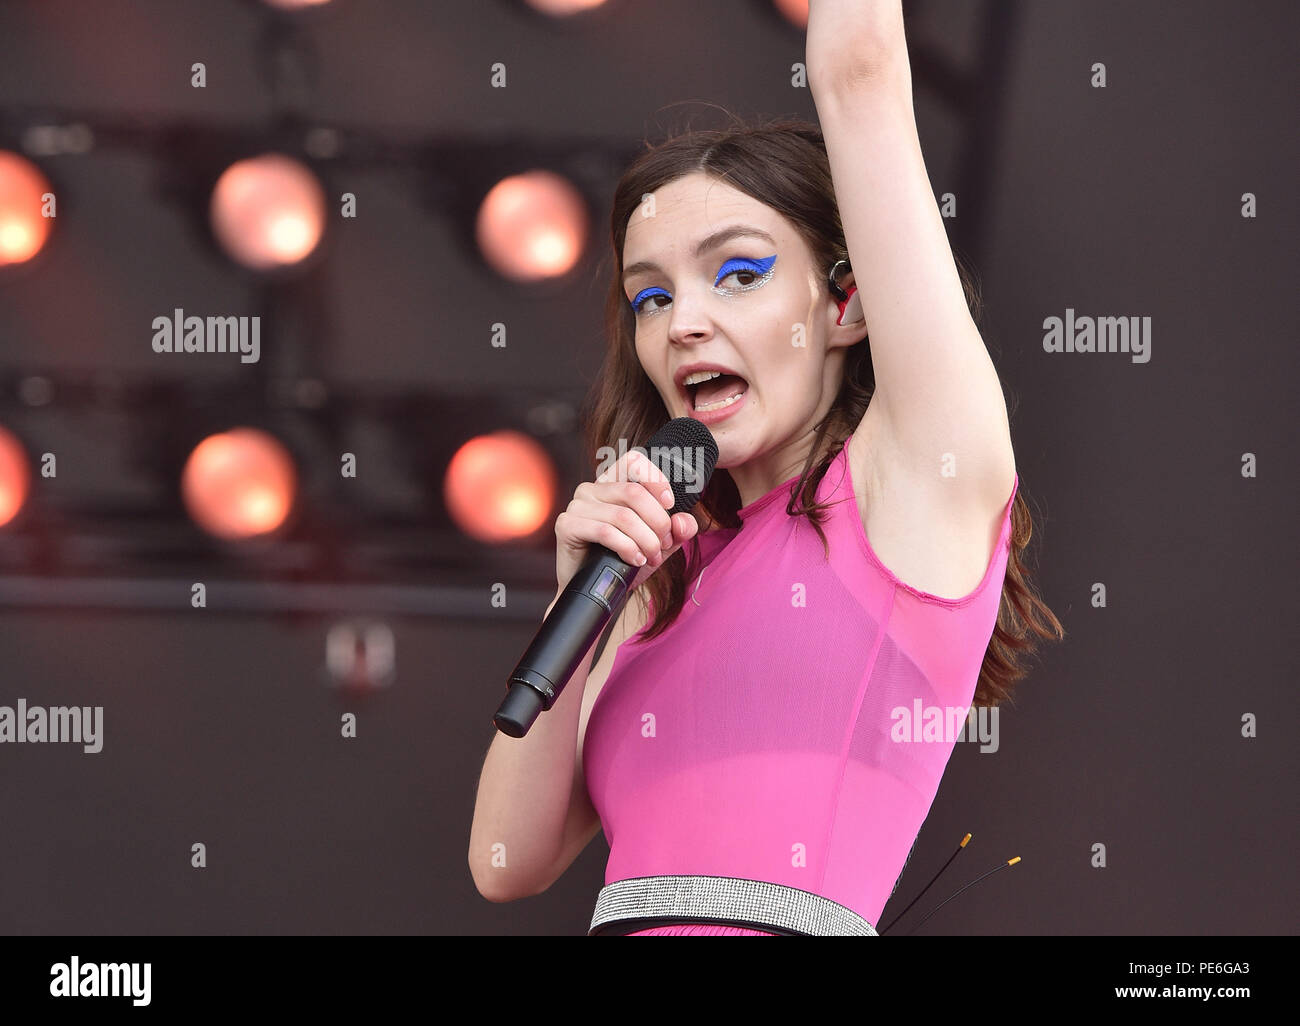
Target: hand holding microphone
[(624, 511), (611, 525)]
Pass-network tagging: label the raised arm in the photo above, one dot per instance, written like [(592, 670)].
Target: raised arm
[(938, 402)]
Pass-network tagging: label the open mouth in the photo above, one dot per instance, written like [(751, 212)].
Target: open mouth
[(717, 393)]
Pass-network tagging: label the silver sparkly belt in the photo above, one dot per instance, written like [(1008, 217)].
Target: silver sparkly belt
[(646, 902)]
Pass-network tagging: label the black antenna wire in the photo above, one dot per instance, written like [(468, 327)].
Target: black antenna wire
[(997, 869), (936, 876)]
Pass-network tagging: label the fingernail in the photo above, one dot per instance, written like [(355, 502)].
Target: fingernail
[(666, 497)]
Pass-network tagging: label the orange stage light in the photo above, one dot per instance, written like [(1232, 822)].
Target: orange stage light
[(794, 11), (15, 476), (560, 8), (268, 211), (499, 487), (239, 484), (532, 226), (23, 224)]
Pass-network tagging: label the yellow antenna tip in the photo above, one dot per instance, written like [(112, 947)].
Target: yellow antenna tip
[(1014, 861), (963, 841)]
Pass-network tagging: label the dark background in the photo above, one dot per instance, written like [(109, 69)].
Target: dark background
[(219, 726)]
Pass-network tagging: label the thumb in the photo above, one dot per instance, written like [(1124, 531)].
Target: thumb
[(685, 528)]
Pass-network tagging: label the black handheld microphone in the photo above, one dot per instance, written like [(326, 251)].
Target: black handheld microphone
[(685, 451)]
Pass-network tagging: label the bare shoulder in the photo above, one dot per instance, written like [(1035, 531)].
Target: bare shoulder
[(931, 536)]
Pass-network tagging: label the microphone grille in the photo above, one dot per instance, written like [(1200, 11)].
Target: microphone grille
[(686, 452)]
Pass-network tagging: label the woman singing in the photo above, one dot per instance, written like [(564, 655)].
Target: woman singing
[(853, 563)]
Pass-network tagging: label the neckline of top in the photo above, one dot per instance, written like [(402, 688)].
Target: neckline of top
[(748, 511)]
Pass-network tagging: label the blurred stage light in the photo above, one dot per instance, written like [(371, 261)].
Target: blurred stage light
[(360, 656), (532, 226), (794, 11), (15, 476), (23, 228), (239, 483), (500, 487), (293, 5), (560, 8), (268, 211)]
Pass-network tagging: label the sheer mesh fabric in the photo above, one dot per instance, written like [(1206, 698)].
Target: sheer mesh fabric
[(760, 736)]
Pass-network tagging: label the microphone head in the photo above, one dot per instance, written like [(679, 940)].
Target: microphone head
[(686, 452)]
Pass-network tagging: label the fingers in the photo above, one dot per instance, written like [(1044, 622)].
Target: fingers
[(637, 483), (601, 532), (627, 510), (631, 511), (636, 466)]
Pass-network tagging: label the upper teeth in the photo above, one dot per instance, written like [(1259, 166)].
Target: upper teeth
[(701, 376)]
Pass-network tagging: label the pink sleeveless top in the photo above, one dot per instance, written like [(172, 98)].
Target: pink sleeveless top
[(781, 729)]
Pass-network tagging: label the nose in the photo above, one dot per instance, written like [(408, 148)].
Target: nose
[(689, 319)]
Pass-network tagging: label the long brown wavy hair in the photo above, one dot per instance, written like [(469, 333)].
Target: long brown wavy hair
[(783, 164)]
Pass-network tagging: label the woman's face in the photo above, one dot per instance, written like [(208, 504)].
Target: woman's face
[(717, 277)]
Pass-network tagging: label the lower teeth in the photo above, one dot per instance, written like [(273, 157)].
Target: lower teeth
[(718, 404)]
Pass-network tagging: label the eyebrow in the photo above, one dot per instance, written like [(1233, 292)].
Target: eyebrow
[(718, 238)]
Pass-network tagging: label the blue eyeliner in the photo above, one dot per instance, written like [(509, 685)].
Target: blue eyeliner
[(762, 269), (645, 294), (759, 267)]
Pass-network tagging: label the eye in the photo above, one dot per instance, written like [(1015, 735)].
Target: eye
[(643, 297), (748, 273)]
